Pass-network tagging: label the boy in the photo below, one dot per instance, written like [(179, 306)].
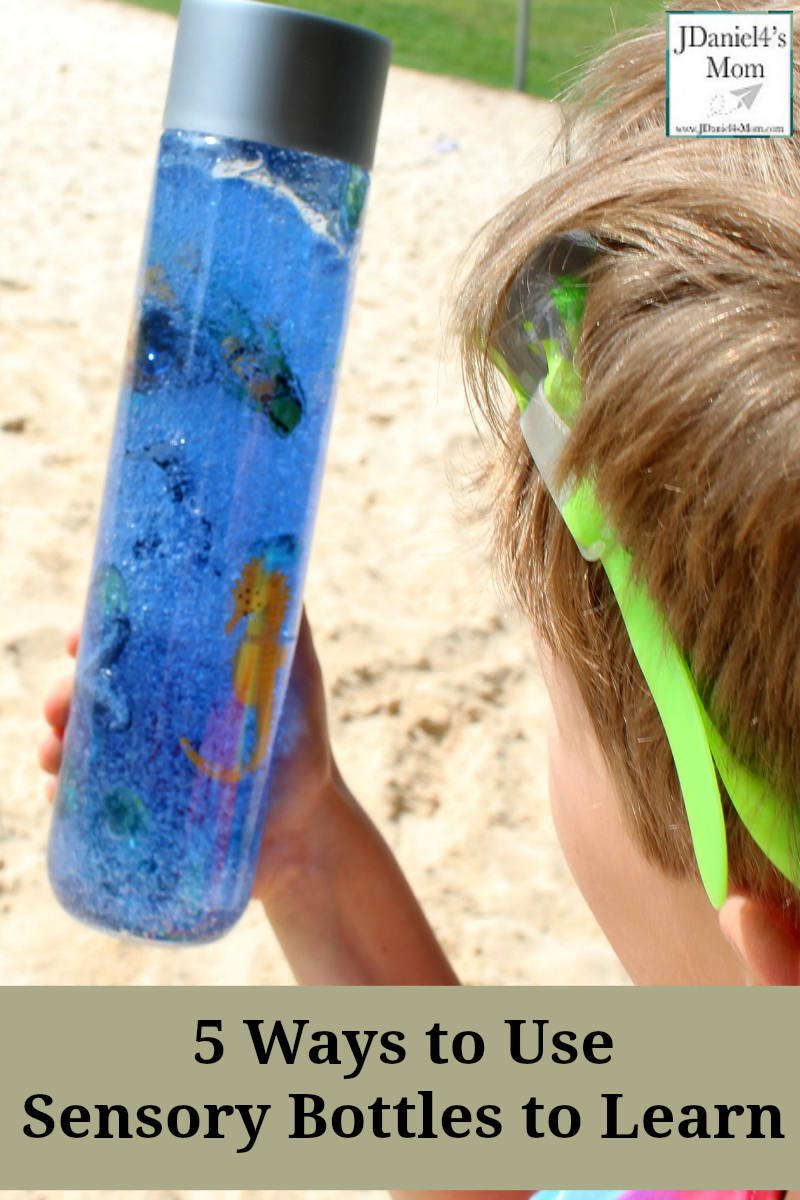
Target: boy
[(682, 319)]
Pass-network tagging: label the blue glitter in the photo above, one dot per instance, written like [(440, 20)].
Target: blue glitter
[(211, 492)]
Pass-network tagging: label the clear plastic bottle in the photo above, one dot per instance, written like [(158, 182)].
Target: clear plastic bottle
[(215, 468)]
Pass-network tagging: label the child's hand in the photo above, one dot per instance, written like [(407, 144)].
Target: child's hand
[(56, 711), (337, 899), (304, 767), (303, 759)]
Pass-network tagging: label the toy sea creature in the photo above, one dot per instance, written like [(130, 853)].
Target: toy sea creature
[(262, 598), (170, 457), (111, 598), (158, 342), (125, 814), (261, 367), (282, 550), (312, 200), (258, 369), (355, 197)]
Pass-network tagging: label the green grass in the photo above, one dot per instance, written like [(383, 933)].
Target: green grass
[(475, 38)]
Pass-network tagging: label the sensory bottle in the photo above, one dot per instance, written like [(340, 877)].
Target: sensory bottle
[(215, 467)]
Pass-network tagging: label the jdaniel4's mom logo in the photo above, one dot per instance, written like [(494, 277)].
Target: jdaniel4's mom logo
[(729, 74)]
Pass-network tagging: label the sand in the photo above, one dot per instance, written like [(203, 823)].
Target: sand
[(438, 710)]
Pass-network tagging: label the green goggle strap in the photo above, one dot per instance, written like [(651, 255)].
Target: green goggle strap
[(765, 815), (673, 690), (695, 742)]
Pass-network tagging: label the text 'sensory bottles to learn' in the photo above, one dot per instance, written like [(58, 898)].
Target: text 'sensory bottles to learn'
[(215, 467)]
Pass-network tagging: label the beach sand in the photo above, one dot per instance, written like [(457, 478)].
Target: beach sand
[(438, 710)]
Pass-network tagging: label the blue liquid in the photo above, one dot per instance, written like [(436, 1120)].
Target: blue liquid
[(201, 554)]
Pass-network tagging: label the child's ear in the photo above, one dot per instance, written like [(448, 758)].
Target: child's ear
[(766, 943)]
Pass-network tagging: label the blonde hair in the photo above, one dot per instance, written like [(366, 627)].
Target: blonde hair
[(689, 423)]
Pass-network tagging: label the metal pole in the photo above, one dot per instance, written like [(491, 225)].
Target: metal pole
[(521, 48)]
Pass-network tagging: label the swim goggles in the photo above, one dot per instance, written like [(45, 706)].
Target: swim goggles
[(534, 348)]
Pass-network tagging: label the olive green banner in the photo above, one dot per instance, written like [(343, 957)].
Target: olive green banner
[(155, 1088)]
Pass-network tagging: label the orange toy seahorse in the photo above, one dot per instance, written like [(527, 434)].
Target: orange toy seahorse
[(262, 597)]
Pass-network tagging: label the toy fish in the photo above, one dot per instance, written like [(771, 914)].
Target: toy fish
[(269, 382), (167, 351), (262, 598)]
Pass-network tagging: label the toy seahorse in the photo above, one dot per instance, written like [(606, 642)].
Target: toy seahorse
[(262, 597)]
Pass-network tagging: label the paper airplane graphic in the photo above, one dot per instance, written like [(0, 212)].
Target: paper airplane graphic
[(747, 95)]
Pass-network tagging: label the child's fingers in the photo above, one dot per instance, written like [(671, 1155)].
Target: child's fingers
[(56, 705), (56, 712), (50, 750)]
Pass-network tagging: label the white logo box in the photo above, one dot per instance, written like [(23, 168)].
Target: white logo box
[(729, 74)]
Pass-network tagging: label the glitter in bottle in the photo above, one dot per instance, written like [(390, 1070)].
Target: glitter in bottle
[(204, 537)]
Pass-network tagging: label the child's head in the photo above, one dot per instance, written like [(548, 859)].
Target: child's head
[(689, 425)]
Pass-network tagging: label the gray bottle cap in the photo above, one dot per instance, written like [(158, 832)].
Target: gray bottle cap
[(248, 70)]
